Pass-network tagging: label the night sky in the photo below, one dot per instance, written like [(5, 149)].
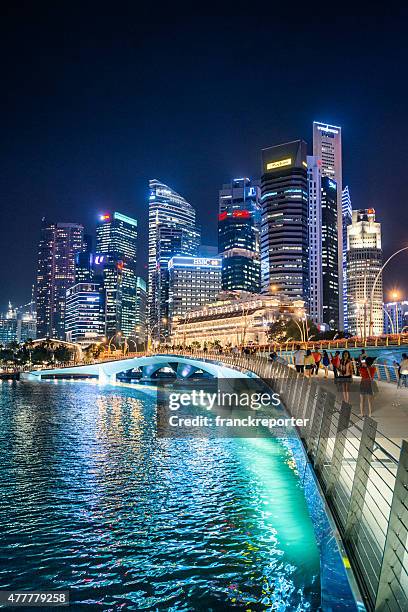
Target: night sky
[(94, 104)]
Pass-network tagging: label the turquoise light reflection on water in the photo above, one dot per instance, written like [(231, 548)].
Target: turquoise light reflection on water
[(93, 502)]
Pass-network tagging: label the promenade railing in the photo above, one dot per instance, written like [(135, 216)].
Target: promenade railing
[(363, 475)]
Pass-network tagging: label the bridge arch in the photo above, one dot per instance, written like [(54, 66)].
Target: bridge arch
[(106, 372)]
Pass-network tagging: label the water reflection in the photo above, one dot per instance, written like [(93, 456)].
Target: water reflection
[(95, 503)]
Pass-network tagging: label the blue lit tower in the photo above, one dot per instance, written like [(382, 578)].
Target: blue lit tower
[(116, 245), (172, 231), (284, 229), (347, 213), (239, 219)]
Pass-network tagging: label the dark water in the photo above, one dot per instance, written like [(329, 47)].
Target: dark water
[(94, 503)]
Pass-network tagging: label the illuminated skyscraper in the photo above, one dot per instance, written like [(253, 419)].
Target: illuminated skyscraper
[(84, 320), (323, 247), (116, 239), (347, 217), (284, 230), (239, 222), (364, 261), (314, 179), (327, 147), (58, 245), (172, 231), (193, 281), (141, 312)]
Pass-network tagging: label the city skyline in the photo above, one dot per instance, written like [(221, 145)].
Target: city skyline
[(95, 141)]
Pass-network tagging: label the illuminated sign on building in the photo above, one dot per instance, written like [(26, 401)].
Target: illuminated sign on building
[(192, 262), (279, 164), (326, 128), (105, 217), (241, 214), (332, 184), (99, 259)]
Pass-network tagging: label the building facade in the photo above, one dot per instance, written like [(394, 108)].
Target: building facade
[(364, 261), (396, 317), (116, 241), (284, 229), (58, 246), (193, 282), (235, 319), (239, 221), (314, 179), (84, 315), (330, 250), (327, 147), (173, 231), (141, 312), (347, 213)]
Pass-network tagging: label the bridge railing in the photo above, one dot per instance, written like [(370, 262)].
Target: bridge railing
[(363, 474)]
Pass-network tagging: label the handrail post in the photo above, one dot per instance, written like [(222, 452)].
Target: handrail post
[(339, 445), (394, 551), (361, 475)]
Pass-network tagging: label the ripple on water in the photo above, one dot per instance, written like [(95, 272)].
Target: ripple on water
[(95, 503)]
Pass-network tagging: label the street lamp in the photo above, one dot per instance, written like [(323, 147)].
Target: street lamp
[(375, 283), (119, 333)]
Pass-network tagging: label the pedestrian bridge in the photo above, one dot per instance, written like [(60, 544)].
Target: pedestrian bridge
[(107, 372)]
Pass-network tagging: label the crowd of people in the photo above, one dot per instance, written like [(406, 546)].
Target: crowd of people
[(309, 362)]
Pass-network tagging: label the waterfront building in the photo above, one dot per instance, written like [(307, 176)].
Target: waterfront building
[(314, 180), (141, 312), (84, 315), (396, 317), (323, 247), (330, 267), (364, 261), (327, 147), (8, 326), (347, 217), (235, 319), (193, 281), (58, 246), (173, 231), (239, 220), (116, 242), (284, 229)]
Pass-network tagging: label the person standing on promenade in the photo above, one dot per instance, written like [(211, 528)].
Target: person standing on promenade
[(367, 384), (326, 363), (346, 375), (335, 361), (309, 364), (361, 360), (299, 359), (403, 376), (317, 358)]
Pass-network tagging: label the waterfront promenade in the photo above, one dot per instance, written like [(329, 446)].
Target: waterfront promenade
[(390, 405)]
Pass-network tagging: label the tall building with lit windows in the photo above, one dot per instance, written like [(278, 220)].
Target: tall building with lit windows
[(84, 320), (173, 231), (193, 281), (323, 246), (284, 228), (347, 213), (364, 261), (116, 243), (327, 147), (330, 250), (59, 243), (239, 221), (314, 179)]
